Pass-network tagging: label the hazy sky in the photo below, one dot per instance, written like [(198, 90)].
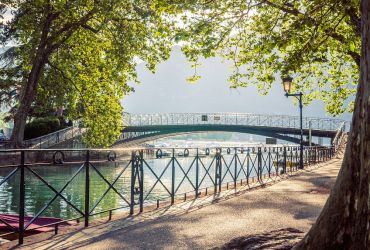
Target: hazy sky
[(168, 91)]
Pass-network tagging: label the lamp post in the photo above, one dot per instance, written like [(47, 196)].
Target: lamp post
[(287, 84)]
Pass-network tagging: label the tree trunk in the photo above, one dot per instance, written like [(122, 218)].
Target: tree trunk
[(344, 220), (27, 96)]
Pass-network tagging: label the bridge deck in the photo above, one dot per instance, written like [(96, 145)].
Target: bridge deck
[(295, 202)]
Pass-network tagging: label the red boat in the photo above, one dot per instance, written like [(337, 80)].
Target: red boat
[(41, 224)]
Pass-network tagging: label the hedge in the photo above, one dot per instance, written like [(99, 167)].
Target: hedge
[(42, 126)]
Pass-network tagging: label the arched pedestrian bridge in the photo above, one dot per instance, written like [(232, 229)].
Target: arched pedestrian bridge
[(145, 127)]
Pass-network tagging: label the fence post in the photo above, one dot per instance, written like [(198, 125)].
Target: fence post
[(323, 154), (259, 164), (197, 175), (248, 156), (297, 157), (173, 178), (305, 156), (87, 188), (133, 179), (235, 166), (269, 155), (291, 159), (141, 180), (218, 171), (21, 200), (332, 153), (277, 162), (284, 163)]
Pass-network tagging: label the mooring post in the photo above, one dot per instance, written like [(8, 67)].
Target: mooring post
[(87, 188), (21, 200)]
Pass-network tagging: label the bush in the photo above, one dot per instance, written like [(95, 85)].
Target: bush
[(63, 122), (41, 126)]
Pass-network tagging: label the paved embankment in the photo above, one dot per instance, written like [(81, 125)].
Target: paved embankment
[(293, 202)]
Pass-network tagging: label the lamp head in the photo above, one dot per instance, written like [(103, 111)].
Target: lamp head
[(287, 83)]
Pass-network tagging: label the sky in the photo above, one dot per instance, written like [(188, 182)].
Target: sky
[(168, 91)]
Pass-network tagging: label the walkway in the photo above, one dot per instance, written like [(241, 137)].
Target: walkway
[(295, 202)]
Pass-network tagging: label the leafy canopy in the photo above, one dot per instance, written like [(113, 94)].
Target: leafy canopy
[(316, 41), (90, 51)]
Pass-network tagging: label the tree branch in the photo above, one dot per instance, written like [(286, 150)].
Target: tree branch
[(66, 78), (349, 11), (88, 27)]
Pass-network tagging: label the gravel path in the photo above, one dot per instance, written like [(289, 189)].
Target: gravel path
[(295, 202)]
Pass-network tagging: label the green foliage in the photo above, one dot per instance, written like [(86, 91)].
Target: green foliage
[(317, 42), (89, 51), (42, 126)]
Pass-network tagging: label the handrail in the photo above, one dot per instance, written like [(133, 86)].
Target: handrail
[(50, 139), (50, 134), (286, 121), (54, 138), (339, 135)]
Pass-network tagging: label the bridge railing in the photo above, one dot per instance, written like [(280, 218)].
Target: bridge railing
[(283, 121), (48, 188)]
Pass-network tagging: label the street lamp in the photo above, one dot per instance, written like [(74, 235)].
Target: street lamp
[(287, 85)]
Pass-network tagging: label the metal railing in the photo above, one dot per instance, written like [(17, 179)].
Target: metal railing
[(54, 138), (50, 140), (283, 121), (337, 141), (137, 177)]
